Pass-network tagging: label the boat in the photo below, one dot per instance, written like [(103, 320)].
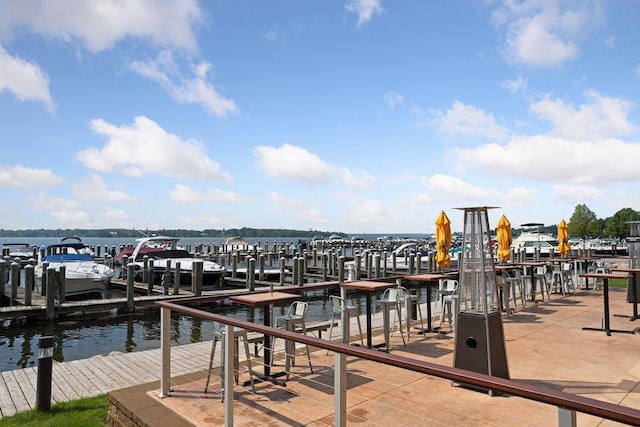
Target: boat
[(22, 251), (529, 241), (83, 274), (165, 251)]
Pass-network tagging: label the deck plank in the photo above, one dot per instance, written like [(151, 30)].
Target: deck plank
[(20, 401), (7, 407)]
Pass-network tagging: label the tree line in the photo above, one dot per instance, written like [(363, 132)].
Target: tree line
[(584, 224), (123, 232)]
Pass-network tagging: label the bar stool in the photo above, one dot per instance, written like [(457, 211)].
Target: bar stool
[(567, 279), (219, 335), (517, 281), (339, 306), (541, 278), (557, 279), (294, 316), (409, 300), (390, 300), (448, 302)]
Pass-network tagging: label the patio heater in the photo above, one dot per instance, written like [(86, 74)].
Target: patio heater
[(480, 344)]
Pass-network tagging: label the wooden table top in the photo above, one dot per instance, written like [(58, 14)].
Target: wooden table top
[(602, 276), (367, 285), (429, 277), (530, 263), (627, 270), (263, 298)]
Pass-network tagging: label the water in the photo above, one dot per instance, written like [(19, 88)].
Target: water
[(101, 334)]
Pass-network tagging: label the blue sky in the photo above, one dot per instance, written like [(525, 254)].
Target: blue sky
[(361, 116)]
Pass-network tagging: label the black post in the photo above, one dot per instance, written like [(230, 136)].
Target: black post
[(45, 364)]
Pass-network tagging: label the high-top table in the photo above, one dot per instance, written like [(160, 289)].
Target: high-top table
[(531, 265), (266, 301), (429, 279), (369, 287), (633, 294), (605, 279)]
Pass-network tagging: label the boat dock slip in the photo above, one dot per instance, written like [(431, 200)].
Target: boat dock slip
[(545, 344)]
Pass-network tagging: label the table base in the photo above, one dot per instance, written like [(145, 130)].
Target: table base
[(273, 378), (631, 318), (610, 331)]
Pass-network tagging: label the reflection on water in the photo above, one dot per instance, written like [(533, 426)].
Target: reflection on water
[(88, 335)]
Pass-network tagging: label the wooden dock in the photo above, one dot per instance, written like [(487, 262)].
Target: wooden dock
[(96, 375)]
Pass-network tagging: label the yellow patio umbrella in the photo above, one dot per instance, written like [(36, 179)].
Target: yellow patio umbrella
[(563, 238), (504, 239), (443, 240)]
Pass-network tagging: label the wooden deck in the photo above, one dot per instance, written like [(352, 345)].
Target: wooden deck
[(96, 375)]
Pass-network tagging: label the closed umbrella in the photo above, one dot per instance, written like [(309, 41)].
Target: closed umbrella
[(443, 240), (504, 239), (563, 238)]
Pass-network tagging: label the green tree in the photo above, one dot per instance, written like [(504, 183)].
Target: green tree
[(617, 226), (583, 222)]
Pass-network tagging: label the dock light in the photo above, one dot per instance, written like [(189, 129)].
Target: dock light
[(45, 365)]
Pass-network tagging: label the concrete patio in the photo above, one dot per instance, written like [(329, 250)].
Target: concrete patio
[(545, 344)]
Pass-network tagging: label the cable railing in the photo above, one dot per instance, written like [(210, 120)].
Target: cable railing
[(567, 404)]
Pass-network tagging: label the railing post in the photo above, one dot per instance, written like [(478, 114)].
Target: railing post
[(229, 375), (340, 387), (165, 349), (566, 417)]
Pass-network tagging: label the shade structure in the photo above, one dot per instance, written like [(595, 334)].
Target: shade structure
[(443, 240), (504, 239), (563, 238)]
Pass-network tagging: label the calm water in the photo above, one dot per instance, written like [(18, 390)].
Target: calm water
[(100, 334)]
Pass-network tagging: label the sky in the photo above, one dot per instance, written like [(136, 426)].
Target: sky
[(359, 116)]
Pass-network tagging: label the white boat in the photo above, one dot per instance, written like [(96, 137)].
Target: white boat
[(529, 241), (165, 251), (83, 275), (401, 254)]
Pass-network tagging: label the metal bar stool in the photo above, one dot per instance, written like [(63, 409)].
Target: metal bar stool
[(218, 335)]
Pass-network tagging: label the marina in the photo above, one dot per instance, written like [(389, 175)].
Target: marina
[(126, 319), (379, 393)]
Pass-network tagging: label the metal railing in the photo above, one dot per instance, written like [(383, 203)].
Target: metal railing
[(568, 404)]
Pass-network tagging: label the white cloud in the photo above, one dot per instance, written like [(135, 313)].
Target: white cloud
[(116, 217), (99, 25), (393, 99), (576, 193), (146, 148), (26, 178), (520, 196), (546, 158), (292, 162), (95, 188), (454, 187), (602, 117), (25, 80), (186, 194), (463, 119), (517, 86), (280, 200), (65, 211), (544, 33), (358, 180), (365, 9), (184, 89)]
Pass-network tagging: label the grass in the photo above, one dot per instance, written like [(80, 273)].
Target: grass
[(86, 412), (618, 283)]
